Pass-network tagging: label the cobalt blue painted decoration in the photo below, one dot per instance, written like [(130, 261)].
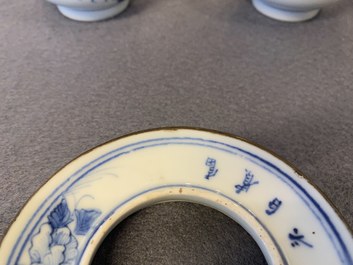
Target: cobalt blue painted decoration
[(297, 239), (212, 171), (85, 218), (55, 243), (60, 216), (247, 182), (273, 206), (322, 216)]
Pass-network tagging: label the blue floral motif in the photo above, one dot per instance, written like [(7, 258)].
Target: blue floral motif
[(53, 246), (55, 243), (60, 216), (85, 219)]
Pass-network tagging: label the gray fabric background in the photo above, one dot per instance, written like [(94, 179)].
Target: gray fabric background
[(66, 87)]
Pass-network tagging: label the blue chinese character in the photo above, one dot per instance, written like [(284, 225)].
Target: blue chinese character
[(298, 239), (247, 182), (273, 206), (212, 171)]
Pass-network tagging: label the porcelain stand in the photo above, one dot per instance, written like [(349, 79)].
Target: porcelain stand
[(93, 15), (283, 15), (287, 217)]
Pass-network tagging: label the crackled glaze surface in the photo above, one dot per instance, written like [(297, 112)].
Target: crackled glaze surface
[(69, 216)]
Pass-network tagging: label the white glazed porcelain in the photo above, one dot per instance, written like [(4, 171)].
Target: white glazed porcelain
[(290, 10), (90, 10), (284, 10), (65, 221)]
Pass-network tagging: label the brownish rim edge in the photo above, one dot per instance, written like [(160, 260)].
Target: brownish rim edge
[(176, 128)]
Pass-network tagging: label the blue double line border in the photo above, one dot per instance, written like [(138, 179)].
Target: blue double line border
[(309, 201)]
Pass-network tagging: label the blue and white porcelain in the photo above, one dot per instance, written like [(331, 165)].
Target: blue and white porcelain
[(67, 219), (291, 10), (90, 10)]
